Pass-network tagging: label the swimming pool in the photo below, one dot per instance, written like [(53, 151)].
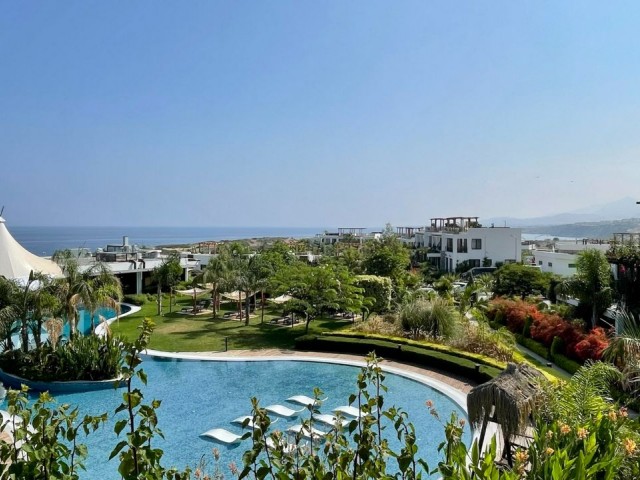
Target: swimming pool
[(84, 322), (84, 318), (201, 395)]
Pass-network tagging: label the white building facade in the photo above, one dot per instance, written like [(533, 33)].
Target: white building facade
[(454, 240), (561, 258)]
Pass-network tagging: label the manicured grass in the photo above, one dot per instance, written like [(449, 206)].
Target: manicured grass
[(175, 332)]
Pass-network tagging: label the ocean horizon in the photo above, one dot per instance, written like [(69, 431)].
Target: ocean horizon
[(44, 241)]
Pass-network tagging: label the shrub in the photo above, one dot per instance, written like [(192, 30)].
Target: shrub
[(137, 300), (592, 345), (557, 346), (565, 363), (526, 330), (534, 346), (434, 318), (479, 338), (381, 325), (85, 358)]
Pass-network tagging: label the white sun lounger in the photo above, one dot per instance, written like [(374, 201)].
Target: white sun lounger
[(7, 421), (330, 420), (304, 400), (283, 411), (305, 431), (223, 436), (250, 424), (350, 411)]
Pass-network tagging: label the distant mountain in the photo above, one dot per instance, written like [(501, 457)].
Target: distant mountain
[(624, 208), (603, 230)]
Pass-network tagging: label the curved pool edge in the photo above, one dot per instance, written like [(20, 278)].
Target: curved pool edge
[(72, 386), (99, 330), (458, 396)]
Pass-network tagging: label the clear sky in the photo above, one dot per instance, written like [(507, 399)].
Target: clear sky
[(306, 113)]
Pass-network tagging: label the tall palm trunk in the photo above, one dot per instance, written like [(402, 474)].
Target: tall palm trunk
[(159, 299), (246, 308), (262, 306)]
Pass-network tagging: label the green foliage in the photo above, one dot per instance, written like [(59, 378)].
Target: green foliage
[(557, 346), (44, 438), (381, 325), (526, 330), (321, 288), (591, 284), (433, 318), (167, 275), (359, 450), (138, 458), (377, 288), (92, 288), (387, 257), (565, 363), (87, 358), (476, 367), (136, 299), (514, 279), (535, 347), (479, 337)]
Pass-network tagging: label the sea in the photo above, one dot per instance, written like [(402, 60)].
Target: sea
[(44, 241)]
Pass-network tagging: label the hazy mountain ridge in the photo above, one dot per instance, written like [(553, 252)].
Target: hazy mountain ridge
[(619, 210), (602, 230)]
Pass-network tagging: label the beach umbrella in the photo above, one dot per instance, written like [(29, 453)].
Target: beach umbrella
[(194, 292)]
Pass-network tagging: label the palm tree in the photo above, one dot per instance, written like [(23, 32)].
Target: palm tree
[(591, 284), (624, 350), (106, 292), (22, 308), (248, 278), (91, 288), (216, 273), (167, 275)]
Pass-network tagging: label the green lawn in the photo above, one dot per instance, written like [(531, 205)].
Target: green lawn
[(175, 332)]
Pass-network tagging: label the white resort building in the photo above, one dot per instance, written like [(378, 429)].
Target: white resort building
[(560, 257), (451, 241)]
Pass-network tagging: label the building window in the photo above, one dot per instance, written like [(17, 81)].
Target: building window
[(462, 245), (476, 243), (572, 265), (449, 244), (473, 263), (539, 262), (550, 264)]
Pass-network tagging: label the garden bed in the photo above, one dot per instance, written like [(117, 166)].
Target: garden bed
[(74, 386), (474, 369)]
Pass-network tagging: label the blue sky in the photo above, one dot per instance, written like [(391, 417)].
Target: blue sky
[(300, 113)]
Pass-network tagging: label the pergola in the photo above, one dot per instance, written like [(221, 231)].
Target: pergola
[(508, 400)]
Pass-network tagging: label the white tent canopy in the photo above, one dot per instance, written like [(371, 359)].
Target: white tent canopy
[(16, 263), (236, 295), (193, 291), (281, 299)]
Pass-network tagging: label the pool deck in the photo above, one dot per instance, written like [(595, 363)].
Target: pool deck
[(462, 385)]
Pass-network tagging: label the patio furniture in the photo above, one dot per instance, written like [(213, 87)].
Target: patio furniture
[(220, 435)]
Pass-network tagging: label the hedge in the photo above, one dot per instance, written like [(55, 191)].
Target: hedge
[(565, 363), (401, 351), (535, 347)]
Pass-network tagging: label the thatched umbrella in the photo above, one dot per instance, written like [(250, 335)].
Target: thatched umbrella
[(507, 400)]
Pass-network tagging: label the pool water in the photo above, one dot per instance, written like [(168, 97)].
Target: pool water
[(200, 395), (84, 319), (84, 324)]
